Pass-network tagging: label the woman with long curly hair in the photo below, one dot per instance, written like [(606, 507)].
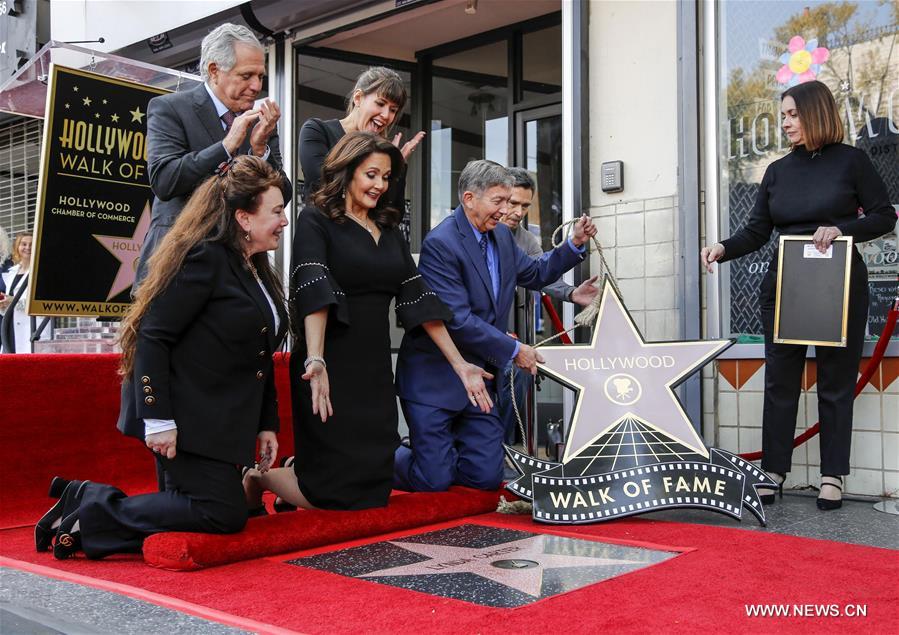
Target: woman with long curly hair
[(349, 263), (197, 350)]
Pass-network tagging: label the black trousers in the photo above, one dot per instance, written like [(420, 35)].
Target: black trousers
[(202, 495), (837, 375)]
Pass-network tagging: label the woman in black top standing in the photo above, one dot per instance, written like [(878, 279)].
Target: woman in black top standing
[(825, 188), (374, 105)]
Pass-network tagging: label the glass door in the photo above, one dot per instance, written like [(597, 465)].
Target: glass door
[(538, 149)]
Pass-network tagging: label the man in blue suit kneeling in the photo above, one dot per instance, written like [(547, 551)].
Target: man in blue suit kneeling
[(472, 263)]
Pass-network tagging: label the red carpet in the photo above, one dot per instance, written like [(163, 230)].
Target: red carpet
[(705, 590), (282, 533), (60, 413)]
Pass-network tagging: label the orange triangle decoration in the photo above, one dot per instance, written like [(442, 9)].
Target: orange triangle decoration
[(875, 378), (746, 368), (811, 375), (728, 370), (889, 371)]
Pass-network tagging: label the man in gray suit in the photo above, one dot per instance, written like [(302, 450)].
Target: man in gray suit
[(191, 133), (523, 189)]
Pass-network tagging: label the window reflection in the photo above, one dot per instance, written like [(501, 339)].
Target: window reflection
[(764, 47)]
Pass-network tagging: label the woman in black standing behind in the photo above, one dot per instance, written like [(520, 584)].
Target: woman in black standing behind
[(819, 188), (374, 105), (197, 350)]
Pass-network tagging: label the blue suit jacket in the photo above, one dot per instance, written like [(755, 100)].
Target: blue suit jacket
[(453, 266)]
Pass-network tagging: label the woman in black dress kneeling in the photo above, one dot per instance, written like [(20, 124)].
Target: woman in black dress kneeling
[(349, 263)]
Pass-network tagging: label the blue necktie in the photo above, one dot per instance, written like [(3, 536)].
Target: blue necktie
[(483, 245)]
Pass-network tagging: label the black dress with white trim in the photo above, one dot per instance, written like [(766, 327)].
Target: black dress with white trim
[(347, 462)]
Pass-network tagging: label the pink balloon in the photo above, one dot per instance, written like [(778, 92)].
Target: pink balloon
[(784, 74), (797, 42), (820, 55)]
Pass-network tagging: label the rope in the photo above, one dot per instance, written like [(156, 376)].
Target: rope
[(586, 317)]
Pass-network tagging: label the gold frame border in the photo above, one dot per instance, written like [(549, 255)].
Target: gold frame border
[(42, 179), (846, 280)]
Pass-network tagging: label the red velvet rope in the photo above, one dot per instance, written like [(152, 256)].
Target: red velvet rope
[(872, 365), (554, 318)]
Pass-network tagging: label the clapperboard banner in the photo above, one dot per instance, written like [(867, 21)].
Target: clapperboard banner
[(93, 207), (631, 447), (726, 484)]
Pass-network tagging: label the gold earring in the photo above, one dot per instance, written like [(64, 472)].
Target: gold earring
[(247, 236)]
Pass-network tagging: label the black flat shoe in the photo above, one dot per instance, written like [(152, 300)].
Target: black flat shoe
[(69, 494), (67, 542), (826, 504), (766, 494)]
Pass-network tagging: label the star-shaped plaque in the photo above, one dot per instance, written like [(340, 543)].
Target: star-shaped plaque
[(137, 115), (127, 250), (519, 564), (490, 566), (625, 386)]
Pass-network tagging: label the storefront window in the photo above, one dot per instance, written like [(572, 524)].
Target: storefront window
[(853, 47), (469, 119), (541, 64)]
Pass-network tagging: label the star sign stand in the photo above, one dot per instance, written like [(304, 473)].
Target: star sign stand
[(93, 207), (631, 448)]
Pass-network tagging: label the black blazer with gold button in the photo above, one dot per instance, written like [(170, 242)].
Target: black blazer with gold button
[(204, 358)]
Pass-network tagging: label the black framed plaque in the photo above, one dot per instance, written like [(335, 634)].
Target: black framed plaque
[(812, 301)]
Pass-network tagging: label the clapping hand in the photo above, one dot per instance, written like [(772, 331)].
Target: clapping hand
[(410, 145), (269, 114)]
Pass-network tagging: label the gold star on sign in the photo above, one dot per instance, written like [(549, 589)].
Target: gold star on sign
[(75, 88), (67, 106), (104, 101), (86, 101), (96, 115), (137, 115), (114, 117)]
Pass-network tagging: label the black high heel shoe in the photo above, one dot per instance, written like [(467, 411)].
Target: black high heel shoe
[(69, 493), (766, 494), (280, 504), (829, 503), (67, 541)]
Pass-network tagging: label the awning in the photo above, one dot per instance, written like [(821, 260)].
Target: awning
[(25, 93)]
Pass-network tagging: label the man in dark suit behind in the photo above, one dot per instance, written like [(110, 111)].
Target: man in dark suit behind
[(189, 134), (472, 263)]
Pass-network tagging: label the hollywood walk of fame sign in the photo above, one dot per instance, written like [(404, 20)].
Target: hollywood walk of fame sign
[(486, 565), (93, 207), (631, 447)]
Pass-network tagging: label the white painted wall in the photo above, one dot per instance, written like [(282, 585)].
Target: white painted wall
[(123, 22), (633, 96)]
